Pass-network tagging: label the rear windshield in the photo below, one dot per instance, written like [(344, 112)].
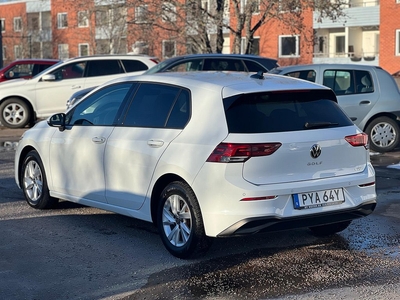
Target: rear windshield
[(283, 111)]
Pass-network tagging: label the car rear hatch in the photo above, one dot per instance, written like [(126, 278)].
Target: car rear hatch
[(281, 137)]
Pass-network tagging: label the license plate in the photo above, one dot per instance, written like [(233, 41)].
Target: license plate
[(318, 199)]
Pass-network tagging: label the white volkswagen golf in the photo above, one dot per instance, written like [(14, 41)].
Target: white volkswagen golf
[(203, 155)]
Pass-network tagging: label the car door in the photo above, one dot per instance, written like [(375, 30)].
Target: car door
[(52, 95), (76, 154), (355, 91), (155, 117)]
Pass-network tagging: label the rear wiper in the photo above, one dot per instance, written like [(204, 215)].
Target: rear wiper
[(319, 125)]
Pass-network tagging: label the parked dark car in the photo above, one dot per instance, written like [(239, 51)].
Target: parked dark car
[(215, 62), (25, 68)]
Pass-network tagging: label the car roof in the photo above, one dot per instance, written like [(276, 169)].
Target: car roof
[(218, 55), (111, 56), (235, 82), (328, 65), (31, 61)]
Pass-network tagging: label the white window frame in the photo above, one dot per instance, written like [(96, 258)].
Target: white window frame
[(169, 12), (63, 51), (17, 24), (141, 13), (83, 18), (4, 53), (397, 50), (62, 20), (17, 52), (163, 48), (297, 51), (80, 46), (3, 25)]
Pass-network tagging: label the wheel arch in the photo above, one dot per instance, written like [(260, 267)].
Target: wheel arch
[(22, 156), (382, 114), (159, 186)]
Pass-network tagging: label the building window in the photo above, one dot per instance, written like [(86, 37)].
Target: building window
[(141, 13), (4, 53), (398, 41), (254, 47), (169, 12), (168, 49), (140, 47), (18, 24), (3, 25), (17, 52), (340, 41), (83, 20), (289, 45), (63, 51), (287, 6), (83, 49), (62, 20)]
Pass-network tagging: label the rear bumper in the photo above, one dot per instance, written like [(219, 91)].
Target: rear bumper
[(268, 224)]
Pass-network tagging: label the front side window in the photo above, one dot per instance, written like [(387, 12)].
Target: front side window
[(306, 75), (100, 108), (70, 71), (17, 24), (62, 20), (158, 106), (187, 66), (283, 111), (289, 46)]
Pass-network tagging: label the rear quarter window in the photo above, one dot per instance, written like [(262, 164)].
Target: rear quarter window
[(283, 111)]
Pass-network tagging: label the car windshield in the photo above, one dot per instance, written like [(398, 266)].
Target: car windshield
[(48, 69)]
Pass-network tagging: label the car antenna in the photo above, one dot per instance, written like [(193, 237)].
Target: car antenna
[(259, 75)]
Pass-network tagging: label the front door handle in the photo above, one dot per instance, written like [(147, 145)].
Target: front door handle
[(98, 140), (155, 143), (365, 102)]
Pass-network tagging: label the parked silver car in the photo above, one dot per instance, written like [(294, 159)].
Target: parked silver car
[(368, 94)]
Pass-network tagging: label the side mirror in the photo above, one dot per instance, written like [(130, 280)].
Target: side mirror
[(49, 77), (57, 120)]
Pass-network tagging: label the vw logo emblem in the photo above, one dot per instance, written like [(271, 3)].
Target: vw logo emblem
[(315, 151)]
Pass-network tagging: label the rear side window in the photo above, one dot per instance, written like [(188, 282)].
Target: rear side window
[(158, 106), (134, 65), (221, 64), (283, 111), (348, 81), (104, 67)]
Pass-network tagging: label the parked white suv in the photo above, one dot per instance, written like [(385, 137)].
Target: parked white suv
[(23, 101), (204, 154)]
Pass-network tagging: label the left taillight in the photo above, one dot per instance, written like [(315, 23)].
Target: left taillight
[(357, 140), (231, 152)]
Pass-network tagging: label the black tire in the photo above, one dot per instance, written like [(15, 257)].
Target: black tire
[(329, 229), (34, 183), (182, 231), (15, 113), (383, 134)]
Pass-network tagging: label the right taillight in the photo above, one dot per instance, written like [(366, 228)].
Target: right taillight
[(357, 140), (231, 152)]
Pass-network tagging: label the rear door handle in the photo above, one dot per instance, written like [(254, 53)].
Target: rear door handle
[(155, 143), (98, 140), (365, 102)]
